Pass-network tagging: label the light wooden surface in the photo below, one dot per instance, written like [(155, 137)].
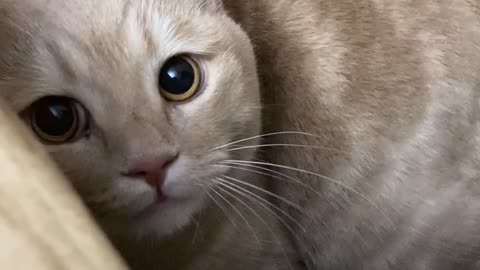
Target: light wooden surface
[(43, 224)]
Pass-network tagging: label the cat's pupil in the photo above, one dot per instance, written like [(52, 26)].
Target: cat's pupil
[(177, 76), (54, 117)]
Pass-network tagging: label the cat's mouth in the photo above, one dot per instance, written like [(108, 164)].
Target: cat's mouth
[(178, 189), (161, 196)]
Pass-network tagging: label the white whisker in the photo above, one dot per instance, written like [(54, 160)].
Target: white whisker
[(354, 191), (196, 232), (286, 145), (240, 214), (262, 204), (267, 192), (269, 228), (268, 172), (237, 188), (265, 135), (225, 212)]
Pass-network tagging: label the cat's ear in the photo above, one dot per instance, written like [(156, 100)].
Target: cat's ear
[(213, 6)]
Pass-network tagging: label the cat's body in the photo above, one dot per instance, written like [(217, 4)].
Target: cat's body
[(388, 92), (396, 86)]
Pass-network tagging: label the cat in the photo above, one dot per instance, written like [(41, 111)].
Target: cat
[(260, 134), (138, 102)]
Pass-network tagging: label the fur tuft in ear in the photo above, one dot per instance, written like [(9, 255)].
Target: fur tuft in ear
[(213, 6)]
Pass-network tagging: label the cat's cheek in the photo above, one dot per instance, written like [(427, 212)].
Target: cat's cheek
[(179, 186), (189, 178)]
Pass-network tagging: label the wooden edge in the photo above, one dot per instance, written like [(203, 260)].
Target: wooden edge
[(43, 223)]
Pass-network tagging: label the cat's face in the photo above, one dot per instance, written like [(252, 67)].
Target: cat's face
[(117, 89)]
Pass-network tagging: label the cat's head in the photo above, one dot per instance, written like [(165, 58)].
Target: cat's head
[(133, 99)]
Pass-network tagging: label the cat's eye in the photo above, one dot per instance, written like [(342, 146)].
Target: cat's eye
[(179, 78), (58, 120)]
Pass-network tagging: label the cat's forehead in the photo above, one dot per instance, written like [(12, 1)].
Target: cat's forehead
[(89, 18), (123, 32), (113, 8), (69, 37), (108, 28)]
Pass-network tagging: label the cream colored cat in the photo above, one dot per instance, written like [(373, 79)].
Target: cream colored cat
[(363, 117)]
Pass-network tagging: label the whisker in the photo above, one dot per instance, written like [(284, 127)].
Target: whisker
[(269, 228), (240, 214), (270, 173), (354, 191), (196, 220), (196, 232), (237, 188), (255, 200), (216, 202), (296, 206), (287, 145), (265, 135)]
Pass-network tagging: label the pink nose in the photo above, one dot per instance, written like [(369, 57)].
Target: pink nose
[(152, 170)]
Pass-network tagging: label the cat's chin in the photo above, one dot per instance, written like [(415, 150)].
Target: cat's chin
[(171, 216), (161, 219)]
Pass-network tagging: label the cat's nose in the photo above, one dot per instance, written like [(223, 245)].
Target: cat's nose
[(152, 170)]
